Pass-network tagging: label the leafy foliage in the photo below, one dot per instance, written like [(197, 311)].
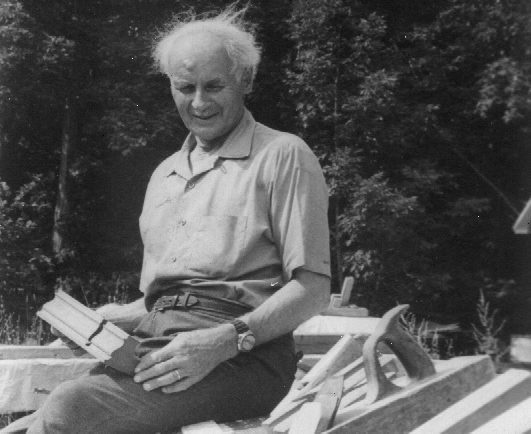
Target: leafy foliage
[(418, 112)]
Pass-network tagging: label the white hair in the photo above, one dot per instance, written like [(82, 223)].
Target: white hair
[(229, 26)]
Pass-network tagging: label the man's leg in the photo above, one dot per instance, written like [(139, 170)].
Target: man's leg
[(244, 387)]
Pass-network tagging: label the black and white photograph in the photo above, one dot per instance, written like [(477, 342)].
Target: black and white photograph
[(265, 217)]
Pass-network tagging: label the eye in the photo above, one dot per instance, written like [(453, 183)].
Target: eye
[(186, 89), (215, 87)]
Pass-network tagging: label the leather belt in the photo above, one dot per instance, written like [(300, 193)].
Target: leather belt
[(189, 300)]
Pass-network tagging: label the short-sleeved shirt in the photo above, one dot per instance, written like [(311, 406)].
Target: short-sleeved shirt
[(238, 227)]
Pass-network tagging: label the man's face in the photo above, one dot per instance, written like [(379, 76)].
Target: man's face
[(209, 98)]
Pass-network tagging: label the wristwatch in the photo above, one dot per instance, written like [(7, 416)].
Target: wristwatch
[(246, 339)]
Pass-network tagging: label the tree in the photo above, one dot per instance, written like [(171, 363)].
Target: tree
[(401, 104)]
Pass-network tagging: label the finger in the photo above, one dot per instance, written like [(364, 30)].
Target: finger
[(171, 377), (156, 370), (151, 359), (181, 385)]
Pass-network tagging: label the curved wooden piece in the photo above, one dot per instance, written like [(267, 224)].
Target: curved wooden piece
[(416, 362)]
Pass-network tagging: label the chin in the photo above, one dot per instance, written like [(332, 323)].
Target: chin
[(206, 135)]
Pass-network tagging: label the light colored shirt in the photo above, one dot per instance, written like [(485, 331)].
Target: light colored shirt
[(252, 212)]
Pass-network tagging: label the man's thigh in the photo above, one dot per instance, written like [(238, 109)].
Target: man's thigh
[(244, 387)]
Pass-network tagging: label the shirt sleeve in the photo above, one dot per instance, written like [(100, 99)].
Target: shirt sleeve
[(299, 209)]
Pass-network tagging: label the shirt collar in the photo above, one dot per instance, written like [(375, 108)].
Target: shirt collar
[(238, 145)]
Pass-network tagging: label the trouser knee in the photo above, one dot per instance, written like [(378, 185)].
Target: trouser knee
[(69, 407)]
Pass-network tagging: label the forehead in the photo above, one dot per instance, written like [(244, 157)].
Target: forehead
[(199, 56)]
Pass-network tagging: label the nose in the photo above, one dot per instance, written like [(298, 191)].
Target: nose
[(199, 100)]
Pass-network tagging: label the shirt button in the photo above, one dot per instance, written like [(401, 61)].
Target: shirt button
[(182, 222), (173, 259)]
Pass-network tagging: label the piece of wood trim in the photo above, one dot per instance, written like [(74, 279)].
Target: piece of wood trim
[(420, 401), (88, 329), (484, 404)]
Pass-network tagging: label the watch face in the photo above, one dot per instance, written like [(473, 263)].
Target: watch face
[(247, 342)]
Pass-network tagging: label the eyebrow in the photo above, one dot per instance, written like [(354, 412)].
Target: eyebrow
[(176, 81)]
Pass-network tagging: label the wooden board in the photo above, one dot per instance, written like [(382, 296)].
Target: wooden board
[(307, 419), (420, 401), (340, 355), (282, 416), (516, 420), (480, 406), (15, 352), (316, 344)]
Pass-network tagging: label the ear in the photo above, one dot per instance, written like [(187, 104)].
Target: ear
[(247, 80)]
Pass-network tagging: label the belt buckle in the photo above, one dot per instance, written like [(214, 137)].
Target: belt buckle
[(180, 301), (185, 300), (165, 302)]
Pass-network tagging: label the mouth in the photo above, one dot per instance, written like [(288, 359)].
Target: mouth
[(204, 117)]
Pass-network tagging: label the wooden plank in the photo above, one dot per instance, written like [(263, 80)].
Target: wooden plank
[(316, 344), (516, 420), (15, 352), (485, 403), (340, 355), (329, 397), (281, 417), (420, 401), (520, 351), (307, 419), (337, 358), (208, 427), (351, 311)]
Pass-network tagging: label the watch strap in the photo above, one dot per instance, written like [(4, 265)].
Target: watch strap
[(240, 326)]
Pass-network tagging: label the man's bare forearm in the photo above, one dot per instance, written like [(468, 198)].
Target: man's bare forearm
[(125, 316), (301, 298)]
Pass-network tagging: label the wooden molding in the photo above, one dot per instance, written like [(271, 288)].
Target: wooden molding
[(88, 329)]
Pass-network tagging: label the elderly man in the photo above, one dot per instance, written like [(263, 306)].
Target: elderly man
[(235, 257)]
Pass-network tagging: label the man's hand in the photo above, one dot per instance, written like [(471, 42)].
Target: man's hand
[(63, 340), (187, 359)]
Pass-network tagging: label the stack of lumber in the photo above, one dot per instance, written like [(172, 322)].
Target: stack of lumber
[(374, 378), (401, 392), (377, 393)]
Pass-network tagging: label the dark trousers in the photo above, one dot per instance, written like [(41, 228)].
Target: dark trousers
[(108, 402)]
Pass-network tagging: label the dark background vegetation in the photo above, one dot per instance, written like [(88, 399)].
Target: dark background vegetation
[(418, 110)]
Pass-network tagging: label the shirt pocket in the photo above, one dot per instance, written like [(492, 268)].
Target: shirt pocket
[(216, 245)]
